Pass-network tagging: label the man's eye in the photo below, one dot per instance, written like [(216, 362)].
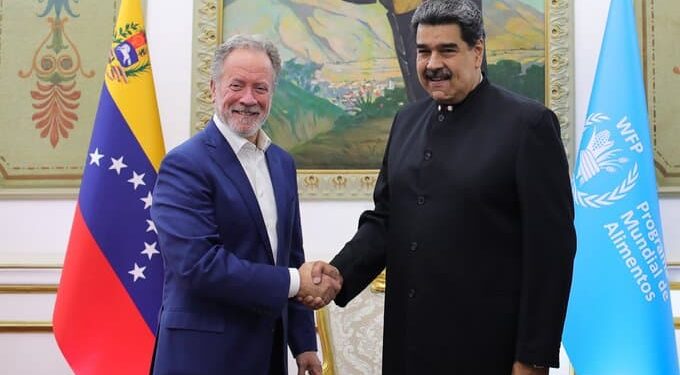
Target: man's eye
[(235, 86), (261, 90)]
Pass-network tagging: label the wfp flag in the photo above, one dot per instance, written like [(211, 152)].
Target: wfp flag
[(619, 317), (111, 284)]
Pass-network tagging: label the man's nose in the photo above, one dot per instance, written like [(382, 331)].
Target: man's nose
[(248, 98), (435, 61)]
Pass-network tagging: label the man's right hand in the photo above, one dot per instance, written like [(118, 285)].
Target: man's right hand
[(319, 283)]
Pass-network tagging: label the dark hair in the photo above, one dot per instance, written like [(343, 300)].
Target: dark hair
[(463, 13)]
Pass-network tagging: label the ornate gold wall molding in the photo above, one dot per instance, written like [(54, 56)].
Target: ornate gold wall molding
[(26, 266), (559, 68), (25, 327), (28, 288)]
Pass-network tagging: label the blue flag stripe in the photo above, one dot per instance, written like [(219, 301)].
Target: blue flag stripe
[(118, 189)]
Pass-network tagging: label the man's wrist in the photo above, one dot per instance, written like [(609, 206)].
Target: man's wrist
[(294, 286)]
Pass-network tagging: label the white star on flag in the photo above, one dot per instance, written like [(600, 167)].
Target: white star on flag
[(150, 250), (147, 201), (137, 179), (137, 272), (95, 157), (117, 164), (151, 227)]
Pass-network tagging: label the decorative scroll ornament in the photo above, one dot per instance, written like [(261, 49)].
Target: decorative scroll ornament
[(56, 64)]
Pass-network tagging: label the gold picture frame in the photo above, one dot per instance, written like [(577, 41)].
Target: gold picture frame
[(358, 183)]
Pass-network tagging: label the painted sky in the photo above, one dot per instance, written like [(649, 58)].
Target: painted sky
[(538, 4)]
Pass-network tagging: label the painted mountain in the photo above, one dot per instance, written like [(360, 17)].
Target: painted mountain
[(341, 83), (515, 31)]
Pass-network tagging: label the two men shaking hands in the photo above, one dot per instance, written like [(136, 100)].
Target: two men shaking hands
[(320, 282)]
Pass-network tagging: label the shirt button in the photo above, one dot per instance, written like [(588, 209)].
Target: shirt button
[(421, 200), (414, 246), (411, 293), (428, 155), (440, 117)]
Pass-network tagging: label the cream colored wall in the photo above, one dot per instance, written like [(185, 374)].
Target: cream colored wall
[(35, 232), (589, 22)]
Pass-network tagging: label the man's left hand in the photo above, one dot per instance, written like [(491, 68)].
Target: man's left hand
[(519, 368), (308, 363)]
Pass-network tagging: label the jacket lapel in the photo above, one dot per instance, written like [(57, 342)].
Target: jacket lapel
[(278, 177), (224, 156)]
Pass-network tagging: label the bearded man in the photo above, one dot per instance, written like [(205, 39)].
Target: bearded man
[(227, 214)]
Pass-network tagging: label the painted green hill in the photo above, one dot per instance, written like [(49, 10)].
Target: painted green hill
[(358, 147), (298, 116)]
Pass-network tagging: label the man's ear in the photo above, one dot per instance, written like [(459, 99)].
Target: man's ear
[(479, 53), (212, 90)]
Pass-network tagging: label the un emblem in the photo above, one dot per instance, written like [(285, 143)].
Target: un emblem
[(605, 173)]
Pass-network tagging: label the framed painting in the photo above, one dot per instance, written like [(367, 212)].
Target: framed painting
[(347, 68), (51, 65), (659, 23)]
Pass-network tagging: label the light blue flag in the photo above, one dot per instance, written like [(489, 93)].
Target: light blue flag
[(619, 318)]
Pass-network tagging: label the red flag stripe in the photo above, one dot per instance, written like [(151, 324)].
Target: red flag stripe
[(110, 335)]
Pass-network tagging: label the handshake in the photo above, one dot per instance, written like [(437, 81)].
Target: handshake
[(319, 284)]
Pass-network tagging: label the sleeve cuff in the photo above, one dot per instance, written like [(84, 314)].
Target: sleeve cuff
[(294, 286)]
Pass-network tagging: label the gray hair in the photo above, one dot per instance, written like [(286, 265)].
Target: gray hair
[(464, 13), (242, 41)]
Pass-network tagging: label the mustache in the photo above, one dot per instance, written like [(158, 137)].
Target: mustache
[(439, 73)]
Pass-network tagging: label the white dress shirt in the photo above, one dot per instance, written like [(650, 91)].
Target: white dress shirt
[(254, 163)]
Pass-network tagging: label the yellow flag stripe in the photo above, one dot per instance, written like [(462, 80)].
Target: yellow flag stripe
[(136, 98)]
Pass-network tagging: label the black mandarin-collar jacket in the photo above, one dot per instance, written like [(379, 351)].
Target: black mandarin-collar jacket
[(473, 219)]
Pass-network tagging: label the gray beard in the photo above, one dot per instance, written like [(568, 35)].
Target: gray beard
[(237, 130)]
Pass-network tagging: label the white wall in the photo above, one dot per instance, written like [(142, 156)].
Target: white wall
[(589, 22), (36, 231)]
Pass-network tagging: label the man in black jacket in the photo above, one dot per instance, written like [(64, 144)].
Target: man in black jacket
[(473, 217)]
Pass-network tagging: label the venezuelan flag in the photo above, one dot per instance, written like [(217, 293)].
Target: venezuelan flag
[(111, 285)]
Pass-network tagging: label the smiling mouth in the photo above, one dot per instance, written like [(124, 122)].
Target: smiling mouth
[(245, 113)]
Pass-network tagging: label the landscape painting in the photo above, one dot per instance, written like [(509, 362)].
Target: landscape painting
[(342, 80), (349, 66)]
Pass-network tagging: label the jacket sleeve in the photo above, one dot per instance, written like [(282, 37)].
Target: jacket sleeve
[(364, 256), (548, 241), (183, 212), (301, 331)]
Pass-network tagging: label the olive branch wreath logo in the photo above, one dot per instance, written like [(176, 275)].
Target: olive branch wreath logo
[(598, 157)]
